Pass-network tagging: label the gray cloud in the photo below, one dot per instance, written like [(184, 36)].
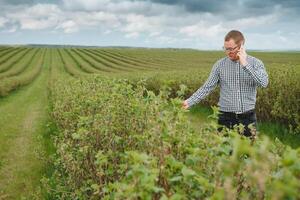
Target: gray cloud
[(26, 2), (16, 2), (198, 5), (269, 23), (233, 8)]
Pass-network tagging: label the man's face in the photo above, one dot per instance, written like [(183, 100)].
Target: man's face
[(231, 49)]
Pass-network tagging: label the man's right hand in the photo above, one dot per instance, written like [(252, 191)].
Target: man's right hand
[(185, 104)]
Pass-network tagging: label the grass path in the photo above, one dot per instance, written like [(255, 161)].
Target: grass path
[(199, 114), (23, 119)]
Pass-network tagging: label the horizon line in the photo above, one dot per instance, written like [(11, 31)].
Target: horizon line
[(125, 46)]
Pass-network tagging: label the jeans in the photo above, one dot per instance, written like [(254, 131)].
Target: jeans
[(229, 119)]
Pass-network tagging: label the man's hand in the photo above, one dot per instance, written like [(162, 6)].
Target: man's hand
[(185, 104), (242, 56)]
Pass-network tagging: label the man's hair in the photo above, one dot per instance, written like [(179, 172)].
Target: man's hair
[(237, 36)]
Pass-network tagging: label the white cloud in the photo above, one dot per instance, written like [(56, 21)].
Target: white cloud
[(283, 39), (68, 26), (132, 35), (158, 23), (33, 24), (43, 10), (254, 21), (272, 41), (203, 30), (143, 24), (49, 16), (87, 5), (2, 21), (95, 18), (155, 33), (116, 6), (12, 29), (36, 17), (106, 32)]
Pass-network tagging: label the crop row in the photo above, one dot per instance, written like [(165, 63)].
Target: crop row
[(13, 82)]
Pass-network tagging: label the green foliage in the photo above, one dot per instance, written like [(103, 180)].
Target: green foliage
[(122, 134), (122, 141), (279, 102)]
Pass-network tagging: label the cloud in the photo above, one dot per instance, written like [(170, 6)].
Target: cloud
[(37, 17), (274, 40), (198, 5), (12, 29), (188, 22), (203, 30), (51, 16), (130, 17), (27, 2), (87, 5), (95, 18), (132, 35), (232, 8), (68, 26), (255, 21), (2, 21), (142, 24)]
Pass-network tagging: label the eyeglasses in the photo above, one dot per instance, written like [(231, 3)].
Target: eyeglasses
[(229, 49)]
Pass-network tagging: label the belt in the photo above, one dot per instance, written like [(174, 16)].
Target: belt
[(244, 114)]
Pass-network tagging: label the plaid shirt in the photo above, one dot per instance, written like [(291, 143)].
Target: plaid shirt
[(237, 84)]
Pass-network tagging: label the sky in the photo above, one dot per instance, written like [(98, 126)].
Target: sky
[(198, 24)]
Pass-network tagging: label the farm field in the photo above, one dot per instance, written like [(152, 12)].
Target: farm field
[(107, 123)]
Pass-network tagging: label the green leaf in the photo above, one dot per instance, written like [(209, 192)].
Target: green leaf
[(187, 172)]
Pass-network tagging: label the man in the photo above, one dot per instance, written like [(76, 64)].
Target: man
[(238, 75)]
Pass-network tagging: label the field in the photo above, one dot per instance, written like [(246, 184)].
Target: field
[(107, 123)]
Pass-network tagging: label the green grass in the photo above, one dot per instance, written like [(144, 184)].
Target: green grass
[(198, 115), (24, 139), (275, 130)]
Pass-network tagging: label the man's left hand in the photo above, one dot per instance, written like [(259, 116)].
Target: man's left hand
[(242, 56), (185, 104)]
